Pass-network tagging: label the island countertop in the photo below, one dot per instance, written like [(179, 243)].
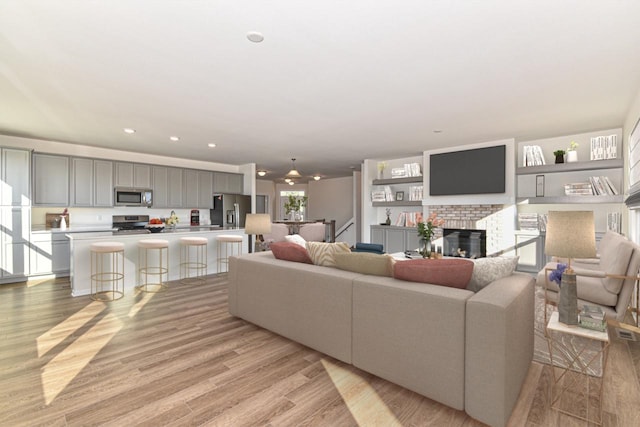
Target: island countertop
[(80, 244)]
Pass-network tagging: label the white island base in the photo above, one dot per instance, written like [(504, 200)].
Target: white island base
[(81, 255)]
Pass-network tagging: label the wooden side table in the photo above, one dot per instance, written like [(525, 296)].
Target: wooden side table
[(571, 392)]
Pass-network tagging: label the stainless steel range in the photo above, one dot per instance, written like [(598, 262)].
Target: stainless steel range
[(130, 224)]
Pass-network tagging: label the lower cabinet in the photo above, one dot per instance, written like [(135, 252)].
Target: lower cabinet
[(50, 254), (395, 239), (14, 243)]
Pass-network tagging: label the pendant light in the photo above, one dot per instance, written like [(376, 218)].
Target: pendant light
[(293, 173)]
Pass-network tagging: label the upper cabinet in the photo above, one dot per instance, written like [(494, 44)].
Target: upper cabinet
[(50, 180), (224, 182), (132, 175), (167, 187), (198, 189), (15, 176), (91, 182)]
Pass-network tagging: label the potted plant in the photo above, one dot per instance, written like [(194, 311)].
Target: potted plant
[(559, 156), (426, 230), (572, 154), (294, 205)]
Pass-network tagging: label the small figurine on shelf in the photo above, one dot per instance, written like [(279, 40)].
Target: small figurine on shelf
[(388, 212)]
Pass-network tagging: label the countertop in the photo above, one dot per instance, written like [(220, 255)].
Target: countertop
[(36, 229), (166, 232)]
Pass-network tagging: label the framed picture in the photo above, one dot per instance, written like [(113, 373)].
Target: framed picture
[(399, 196), (539, 185)]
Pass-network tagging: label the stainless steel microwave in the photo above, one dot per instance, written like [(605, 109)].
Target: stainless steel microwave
[(133, 197)]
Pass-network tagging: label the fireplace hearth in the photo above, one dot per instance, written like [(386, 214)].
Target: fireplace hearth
[(464, 243)]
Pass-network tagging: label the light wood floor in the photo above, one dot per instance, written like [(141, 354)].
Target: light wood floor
[(178, 358)]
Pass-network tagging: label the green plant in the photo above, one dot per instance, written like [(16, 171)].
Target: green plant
[(559, 153), (572, 146), (426, 229), (295, 203)]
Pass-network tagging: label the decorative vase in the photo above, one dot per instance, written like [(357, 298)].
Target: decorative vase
[(572, 156), (425, 248), (388, 221), (568, 303), (559, 158)]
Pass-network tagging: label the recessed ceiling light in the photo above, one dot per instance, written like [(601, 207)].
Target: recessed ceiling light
[(129, 130), (317, 177), (174, 138), (212, 145), (255, 36), (262, 173), (437, 131)]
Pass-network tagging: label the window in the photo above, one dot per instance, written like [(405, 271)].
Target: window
[(284, 197)]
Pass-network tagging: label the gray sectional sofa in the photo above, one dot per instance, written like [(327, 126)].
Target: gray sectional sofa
[(470, 351)]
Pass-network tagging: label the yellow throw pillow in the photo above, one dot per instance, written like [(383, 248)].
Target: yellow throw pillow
[(321, 253), (365, 263)]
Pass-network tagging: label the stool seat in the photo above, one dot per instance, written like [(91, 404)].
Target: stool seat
[(105, 247), (194, 240), (229, 238), (153, 243)]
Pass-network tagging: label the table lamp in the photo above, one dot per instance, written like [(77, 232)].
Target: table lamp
[(258, 224), (570, 234)]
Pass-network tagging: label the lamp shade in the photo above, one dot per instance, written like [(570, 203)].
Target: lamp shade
[(257, 224), (570, 234)]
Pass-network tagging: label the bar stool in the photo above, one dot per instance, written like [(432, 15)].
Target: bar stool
[(159, 271), (228, 245), (107, 271), (193, 259)]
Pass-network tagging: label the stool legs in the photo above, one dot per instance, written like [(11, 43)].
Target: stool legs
[(193, 264), (107, 275), (158, 273), (225, 250)]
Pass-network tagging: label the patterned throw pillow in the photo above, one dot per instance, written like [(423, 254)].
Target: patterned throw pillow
[(322, 253), (289, 251), (487, 270), (365, 263)]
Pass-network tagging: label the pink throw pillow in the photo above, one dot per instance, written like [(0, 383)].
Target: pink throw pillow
[(454, 273), (290, 251)]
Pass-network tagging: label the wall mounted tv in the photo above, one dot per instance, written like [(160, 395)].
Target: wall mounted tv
[(477, 171)]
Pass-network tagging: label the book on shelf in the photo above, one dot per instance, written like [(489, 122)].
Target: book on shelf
[(388, 194), (542, 222), (578, 189), (533, 156), (528, 221), (416, 192), (604, 147), (378, 196), (614, 221), (408, 219)]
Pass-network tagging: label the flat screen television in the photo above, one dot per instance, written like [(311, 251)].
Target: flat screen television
[(476, 171)]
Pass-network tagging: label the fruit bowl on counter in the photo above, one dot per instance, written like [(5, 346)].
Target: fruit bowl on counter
[(155, 225)]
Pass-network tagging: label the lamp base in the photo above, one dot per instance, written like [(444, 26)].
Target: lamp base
[(568, 303)]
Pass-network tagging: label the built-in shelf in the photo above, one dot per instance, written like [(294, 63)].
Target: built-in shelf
[(571, 199), (398, 203), (407, 180), (571, 167)]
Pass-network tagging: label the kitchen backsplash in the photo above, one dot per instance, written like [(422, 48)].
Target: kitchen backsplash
[(83, 217)]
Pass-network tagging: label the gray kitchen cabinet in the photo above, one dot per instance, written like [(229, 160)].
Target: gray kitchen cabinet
[(81, 182), (174, 184), (224, 182), (132, 175), (103, 183), (14, 242), (50, 254), (205, 190), (91, 182), (15, 171), (160, 187), (191, 188), (395, 239), (50, 180)]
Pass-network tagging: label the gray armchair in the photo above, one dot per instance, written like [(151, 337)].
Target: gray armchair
[(607, 281)]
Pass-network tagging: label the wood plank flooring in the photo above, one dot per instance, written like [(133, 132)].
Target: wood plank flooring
[(179, 359)]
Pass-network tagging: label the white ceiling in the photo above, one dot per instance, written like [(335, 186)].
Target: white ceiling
[(333, 82)]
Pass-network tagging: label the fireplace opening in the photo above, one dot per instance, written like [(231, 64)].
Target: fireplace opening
[(464, 243)]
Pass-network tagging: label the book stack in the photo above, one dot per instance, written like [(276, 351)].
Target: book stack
[(528, 221), (592, 317), (542, 223), (604, 147), (378, 196), (602, 186), (578, 189), (388, 195), (614, 221), (415, 192), (533, 156), (408, 219), (413, 169)]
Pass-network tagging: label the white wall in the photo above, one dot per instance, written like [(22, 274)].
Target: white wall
[(331, 199), (631, 222), (267, 188)]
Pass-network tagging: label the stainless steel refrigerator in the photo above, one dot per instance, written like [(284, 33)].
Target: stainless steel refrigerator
[(230, 210)]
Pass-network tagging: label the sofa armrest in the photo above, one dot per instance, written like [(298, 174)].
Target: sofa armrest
[(498, 347)]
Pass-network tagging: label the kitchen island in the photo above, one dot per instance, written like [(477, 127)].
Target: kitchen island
[(81, 256)]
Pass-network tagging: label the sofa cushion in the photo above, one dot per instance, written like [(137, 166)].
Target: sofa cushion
[(365, 263), (487, 270), (322, 253), (297, 239), (290, 251), (454, 273)]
